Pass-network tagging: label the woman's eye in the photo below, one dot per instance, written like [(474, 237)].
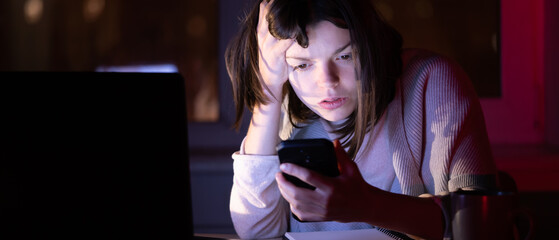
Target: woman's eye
[(301, 66), (345, 57)]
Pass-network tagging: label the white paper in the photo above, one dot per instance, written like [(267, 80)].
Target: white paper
[(361, 234)]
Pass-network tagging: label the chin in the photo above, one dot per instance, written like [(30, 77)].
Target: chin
[(334, 116)]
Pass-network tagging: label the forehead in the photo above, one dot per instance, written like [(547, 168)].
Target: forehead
[(324, 38)]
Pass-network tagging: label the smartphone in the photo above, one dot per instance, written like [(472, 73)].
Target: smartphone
[(315, 154)]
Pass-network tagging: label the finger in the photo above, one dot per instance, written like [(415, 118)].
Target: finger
[(345, 163), (274, 46), (311, 177), (284, 44), (285, 186), (302, 201), (308, 210), (262, 26), (291, 192), (287, 189), (306, 215)]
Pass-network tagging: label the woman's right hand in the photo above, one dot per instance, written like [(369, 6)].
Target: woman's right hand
[(271, 55), (262, 136)]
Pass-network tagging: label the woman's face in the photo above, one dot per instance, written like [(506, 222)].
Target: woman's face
[(323, 75)]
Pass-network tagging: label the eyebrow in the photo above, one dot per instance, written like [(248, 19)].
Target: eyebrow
[(335, 53)]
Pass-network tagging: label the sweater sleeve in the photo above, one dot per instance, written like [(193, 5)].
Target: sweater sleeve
[(257, 208), (456, 144)]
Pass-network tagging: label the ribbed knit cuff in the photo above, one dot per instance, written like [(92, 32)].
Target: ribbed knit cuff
[(487, 181)]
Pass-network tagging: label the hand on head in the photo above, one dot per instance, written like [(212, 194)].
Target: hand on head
[(271, 55), (334, 199)]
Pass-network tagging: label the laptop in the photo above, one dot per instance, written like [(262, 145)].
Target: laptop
[(94, 155)]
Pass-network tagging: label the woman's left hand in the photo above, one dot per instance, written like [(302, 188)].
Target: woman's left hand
[(344, 198)]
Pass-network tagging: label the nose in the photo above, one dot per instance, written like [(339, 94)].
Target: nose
[(328, 76)]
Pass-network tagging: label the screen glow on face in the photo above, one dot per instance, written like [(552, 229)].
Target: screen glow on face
[(323, 74)]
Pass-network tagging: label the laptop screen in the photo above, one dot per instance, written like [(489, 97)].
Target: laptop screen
[(94, 155)]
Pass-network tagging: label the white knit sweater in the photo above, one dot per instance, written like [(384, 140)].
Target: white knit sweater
[(437, 143)]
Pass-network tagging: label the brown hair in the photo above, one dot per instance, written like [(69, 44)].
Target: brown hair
[(375, 43)]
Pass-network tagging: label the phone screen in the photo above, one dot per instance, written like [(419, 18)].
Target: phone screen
[(314, 154)]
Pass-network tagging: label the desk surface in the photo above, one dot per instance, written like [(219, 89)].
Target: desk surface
[(224, 236)]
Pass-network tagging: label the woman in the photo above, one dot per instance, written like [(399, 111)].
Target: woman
[(408, 119)]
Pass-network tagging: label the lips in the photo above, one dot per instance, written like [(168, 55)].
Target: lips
[(332, 103)]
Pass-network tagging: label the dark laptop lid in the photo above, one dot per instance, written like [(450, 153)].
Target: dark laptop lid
[(94, 155)]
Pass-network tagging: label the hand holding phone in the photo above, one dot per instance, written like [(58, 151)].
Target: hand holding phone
[(314, 154)]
